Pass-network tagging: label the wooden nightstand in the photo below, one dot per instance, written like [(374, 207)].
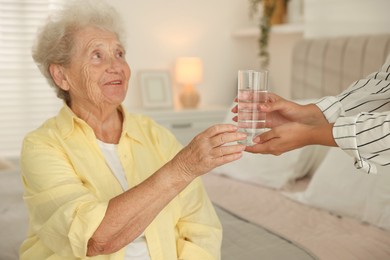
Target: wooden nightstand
[(185, 124)]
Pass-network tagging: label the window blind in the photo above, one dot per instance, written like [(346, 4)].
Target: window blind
[(26, 99)]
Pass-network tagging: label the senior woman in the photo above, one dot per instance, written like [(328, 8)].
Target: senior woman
[(101, 182)]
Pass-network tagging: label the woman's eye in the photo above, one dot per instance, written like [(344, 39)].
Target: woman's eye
[(96, 55), (120, 54)]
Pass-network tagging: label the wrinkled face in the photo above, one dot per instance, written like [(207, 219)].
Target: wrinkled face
[(98, 73)]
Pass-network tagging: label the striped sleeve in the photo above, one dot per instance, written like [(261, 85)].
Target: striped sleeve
[(361, 117)]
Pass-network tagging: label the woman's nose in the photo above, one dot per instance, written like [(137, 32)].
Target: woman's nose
[(114, 65)]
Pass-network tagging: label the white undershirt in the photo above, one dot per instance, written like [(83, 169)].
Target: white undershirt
[(138, 249)]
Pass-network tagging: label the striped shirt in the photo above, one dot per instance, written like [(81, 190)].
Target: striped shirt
[(361, 117)]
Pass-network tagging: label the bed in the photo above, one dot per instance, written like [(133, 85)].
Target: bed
[(296, 206), (312, 197)]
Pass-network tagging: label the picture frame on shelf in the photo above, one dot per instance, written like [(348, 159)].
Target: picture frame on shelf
[(156, 88)]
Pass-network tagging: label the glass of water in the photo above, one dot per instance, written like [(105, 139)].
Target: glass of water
[(252, 91)]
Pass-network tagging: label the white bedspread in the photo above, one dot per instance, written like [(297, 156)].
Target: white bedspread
[(245, 240), (327, 236)]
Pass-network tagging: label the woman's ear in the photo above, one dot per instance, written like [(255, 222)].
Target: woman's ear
[(58, 75)]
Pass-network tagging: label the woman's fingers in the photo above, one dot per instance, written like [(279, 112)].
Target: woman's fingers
[(264, 137), (219, 129), (235, 109), (265, 144), (226, 137), (282, 139), (275, 105), (209, 149), (228, 158), (219, 151), (220, 141)]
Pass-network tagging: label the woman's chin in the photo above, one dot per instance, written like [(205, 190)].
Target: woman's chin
[(115, 97)]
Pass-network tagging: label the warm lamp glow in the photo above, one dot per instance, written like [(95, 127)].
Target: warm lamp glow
[(188, 72)]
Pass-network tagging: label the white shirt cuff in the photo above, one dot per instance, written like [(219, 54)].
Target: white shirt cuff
[(331, 108)]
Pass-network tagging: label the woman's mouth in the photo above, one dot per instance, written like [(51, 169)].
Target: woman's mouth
[(114, 82)]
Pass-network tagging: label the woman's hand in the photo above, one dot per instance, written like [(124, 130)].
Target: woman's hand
[(292, 126), (280, 111), (290, 136), (281, 139), (209, 150)]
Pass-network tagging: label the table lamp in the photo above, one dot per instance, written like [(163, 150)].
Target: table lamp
[(188, 72)]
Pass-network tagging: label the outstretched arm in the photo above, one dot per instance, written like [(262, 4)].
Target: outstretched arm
[(131, 212)]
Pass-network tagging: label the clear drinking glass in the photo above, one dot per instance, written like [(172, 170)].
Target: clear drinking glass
[(252, 91)]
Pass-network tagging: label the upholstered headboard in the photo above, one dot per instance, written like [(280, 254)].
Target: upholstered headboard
[(326, 66)]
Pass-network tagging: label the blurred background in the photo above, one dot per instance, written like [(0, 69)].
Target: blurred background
[(219, 33)]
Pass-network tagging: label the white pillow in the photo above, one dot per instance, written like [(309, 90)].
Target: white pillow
[(273, 171), (266, 170), (337, 186)]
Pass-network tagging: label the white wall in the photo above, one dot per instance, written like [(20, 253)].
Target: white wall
[(160, 31), (346, 17), (281, 48)]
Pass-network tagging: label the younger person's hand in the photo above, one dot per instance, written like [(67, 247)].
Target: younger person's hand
[(280, 111), (290, 136)]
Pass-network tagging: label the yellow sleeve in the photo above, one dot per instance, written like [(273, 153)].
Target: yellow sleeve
[(63, 212), (200, 231)]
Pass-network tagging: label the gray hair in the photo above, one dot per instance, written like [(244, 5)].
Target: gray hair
[(54, 42)]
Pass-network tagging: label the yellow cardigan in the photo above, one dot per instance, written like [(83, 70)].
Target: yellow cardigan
[(68, 186)]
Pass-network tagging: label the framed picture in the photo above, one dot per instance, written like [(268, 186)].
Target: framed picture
[(156, 89)]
